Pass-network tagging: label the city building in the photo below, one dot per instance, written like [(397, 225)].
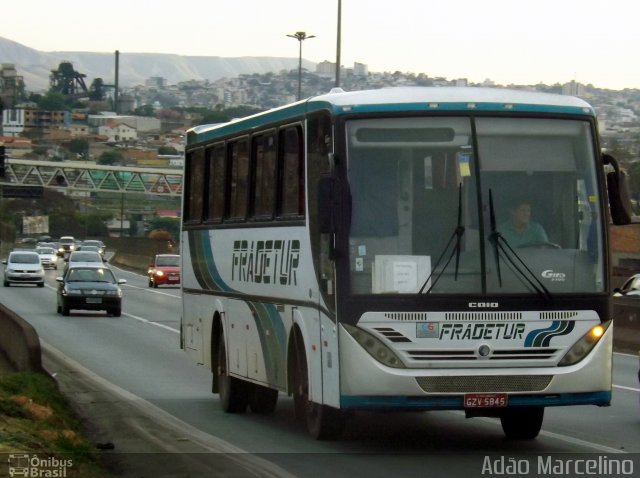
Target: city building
[(11, 86)]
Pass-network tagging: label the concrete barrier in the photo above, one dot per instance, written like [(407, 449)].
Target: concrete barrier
[(19, 341), (626, 324)]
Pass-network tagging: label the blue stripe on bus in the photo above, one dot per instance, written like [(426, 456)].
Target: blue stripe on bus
[(463, 107), (301, 109), (267, 319), (364, 402)]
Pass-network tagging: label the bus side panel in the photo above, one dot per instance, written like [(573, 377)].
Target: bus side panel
[(192, 337), (267, 343), (238, 324), (193, 328), (330, 363), (309, 324)]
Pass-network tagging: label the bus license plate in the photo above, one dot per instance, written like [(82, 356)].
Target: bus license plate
[(485, 400)]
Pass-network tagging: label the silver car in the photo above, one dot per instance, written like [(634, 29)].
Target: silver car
[(23, 267), (48, 257)]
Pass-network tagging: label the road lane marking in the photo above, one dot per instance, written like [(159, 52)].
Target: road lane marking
[(557, 436), (129, 286), (255, 465), (622, 387), (150, 322), (578, 441)]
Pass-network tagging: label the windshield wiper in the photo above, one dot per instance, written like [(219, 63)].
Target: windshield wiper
[(457, 235), (501, 245)]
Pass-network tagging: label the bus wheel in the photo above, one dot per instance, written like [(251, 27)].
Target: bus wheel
[(522, 423), (323, 422), (263, 399), (233, 391)]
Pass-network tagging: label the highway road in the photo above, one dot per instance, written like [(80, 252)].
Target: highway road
[(138, 355)]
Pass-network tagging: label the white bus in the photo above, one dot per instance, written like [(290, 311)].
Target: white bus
[(357, 251)]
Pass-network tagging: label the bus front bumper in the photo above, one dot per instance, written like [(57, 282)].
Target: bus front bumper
[(366, 384)]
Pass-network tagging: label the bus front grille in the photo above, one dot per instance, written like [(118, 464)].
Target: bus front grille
[(509, 354), (484, 383)]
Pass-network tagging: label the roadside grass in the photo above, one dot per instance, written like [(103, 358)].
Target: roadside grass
[(37, 420)]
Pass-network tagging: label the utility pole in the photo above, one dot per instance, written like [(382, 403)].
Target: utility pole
[(300, 36)]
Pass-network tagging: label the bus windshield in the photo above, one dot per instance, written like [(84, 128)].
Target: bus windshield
[(485, 205)]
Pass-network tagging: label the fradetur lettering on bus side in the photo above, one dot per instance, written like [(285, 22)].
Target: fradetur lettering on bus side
[(272, 262)]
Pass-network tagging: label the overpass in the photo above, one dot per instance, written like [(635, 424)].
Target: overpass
[(87, 176)]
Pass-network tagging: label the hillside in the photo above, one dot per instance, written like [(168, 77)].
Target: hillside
[(35, 66)]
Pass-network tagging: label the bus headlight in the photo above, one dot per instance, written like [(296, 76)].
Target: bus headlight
[(374, 347), (583, 346)]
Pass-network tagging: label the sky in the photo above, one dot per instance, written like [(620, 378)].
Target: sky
[(508, 41)]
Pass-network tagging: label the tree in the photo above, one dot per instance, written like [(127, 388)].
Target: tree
[(53, 101), (163, 150), (40, 151), (169, 224), (80, 147), (110, 158), (145, 110)]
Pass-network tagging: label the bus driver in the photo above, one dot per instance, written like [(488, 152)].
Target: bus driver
[(520, 230)]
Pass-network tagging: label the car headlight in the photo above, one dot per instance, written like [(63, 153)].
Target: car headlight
[(159, 273), (374, 347), (583, 346), (71, 292)]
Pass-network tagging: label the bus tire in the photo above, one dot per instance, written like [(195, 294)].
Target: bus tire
[(263, 400), (233, 391), (522, 423), (323, 422)]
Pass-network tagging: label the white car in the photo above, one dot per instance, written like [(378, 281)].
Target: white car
[(83, 258), (48, 257), (631, 288), (23, 267)]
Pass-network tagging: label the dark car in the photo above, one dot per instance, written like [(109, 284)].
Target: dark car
[(89, 287), (631, 288), (90, 243), (165, 269)]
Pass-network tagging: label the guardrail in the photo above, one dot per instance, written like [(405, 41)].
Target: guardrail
[(20, 342)]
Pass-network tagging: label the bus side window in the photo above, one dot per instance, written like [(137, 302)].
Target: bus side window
[(239, 179), (264, 177), (216, 183), (292, 173), (195, 174)]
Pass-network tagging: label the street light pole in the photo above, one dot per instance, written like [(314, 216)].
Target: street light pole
[(338, 43), (300, 36)]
